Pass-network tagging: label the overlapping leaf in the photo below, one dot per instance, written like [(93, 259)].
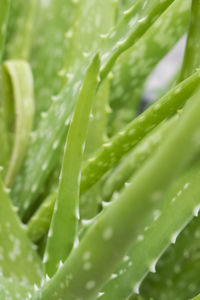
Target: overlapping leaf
[(83, 274), (19, 75), (18, 258)]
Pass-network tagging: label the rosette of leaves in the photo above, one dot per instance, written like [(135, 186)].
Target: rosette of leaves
[(97, 200)]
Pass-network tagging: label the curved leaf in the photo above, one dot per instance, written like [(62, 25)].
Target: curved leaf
[(181, 204), (39, 223), (63, 229), (135, 65), (84, 274), (133, 162), (43, 151), (192, 58), (21, 29), (75, 71), (20, 76), (111, 152), (135, 22)]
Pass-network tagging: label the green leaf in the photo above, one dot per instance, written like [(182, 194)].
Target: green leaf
[(111, 152), (134, 161), (98, 120), (13, 290), (75, 71), (39, 223), (20, 76), (196, 298), (177, 270), (90, 265), (19, 259), (145, 253), (21, 29), (183, 275), (135, 22), (97, 135), (5, 137), (192, 58), (124, 4), (135, 65), (43, 151), (3, 23), (63, 229), (116, 148), (50, 47)]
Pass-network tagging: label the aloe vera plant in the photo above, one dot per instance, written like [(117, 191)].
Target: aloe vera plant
[(97, 200)]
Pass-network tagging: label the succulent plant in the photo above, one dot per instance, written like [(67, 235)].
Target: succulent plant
[(98, 200)]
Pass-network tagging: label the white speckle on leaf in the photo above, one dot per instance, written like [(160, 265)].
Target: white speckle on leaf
[(113, 276), (179, 193), (156, 214), (34, 187), (69, 34), (44, 166), (90, 285), (142, 20), (140, 238), (173, 199), (16, 251), (86, 255), (87, 266), (186, 185), (55, 144), (156, 195), (130, 263), (36, 288), (126, 258), (108, 233)]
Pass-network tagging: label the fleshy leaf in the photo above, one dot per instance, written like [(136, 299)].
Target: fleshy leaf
[(196, 298), (114, 150), (21, 29), (63, 229), (21, 81), (18, 258), (111, 152), (184, 283), (135, 22), (135, 65), (38, 225), (192, 58), (3, 23), (13, 290), (75, 71), (97, 135), (54, 19), (145, 253), (84, 274), (43, 150), (178, 267), (133, 162)]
